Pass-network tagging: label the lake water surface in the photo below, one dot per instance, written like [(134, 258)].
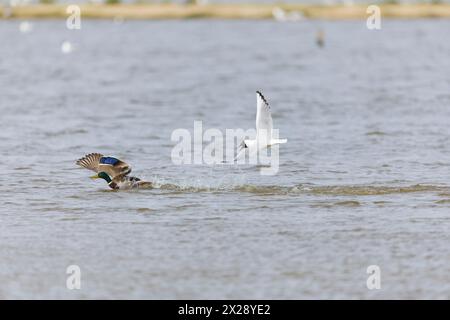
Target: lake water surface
[(364, 178)]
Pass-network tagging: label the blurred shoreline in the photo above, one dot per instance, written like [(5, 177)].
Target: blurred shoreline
[(225, 11)]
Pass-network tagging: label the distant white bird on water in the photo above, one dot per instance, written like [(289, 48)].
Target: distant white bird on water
[(25, 27), (66, 47), (264, 129), (281, 15)]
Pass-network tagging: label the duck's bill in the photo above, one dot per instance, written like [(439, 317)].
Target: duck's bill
[(95, 177)]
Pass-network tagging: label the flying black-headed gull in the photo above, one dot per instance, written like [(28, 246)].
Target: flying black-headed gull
[(264, 129)]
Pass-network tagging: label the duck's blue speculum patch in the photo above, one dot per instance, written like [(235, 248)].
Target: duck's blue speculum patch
[(109, 160)]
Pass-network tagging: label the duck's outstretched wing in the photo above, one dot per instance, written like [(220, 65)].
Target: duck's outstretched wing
[(114, 166), (100, 163), (90, 161)]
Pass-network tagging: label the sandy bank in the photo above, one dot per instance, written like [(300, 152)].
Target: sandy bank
[(224, 11)]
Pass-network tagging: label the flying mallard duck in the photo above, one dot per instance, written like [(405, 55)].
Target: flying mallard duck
[(113, 170)]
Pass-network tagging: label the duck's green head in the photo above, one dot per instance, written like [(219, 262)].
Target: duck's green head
[(102, 175)]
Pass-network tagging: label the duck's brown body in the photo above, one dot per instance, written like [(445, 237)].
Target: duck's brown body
[(128, 183)]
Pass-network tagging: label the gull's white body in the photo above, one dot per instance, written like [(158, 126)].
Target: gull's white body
[(264, 129)]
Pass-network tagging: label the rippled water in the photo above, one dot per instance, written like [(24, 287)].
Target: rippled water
[(363, 180)]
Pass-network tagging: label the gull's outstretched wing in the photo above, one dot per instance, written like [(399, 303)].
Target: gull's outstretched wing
[(263, 117), (99, 163)]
